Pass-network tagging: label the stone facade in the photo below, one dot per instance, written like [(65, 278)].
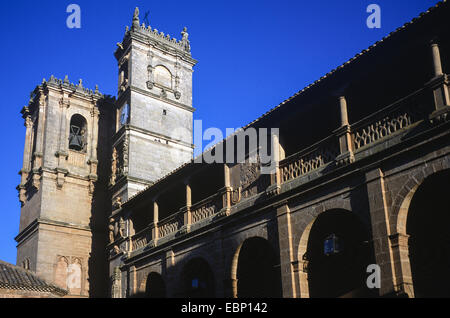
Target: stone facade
[(154, 107), (354, 177), (62, 186), (356, 152)]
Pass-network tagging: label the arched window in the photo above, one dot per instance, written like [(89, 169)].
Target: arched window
[(78, 133)]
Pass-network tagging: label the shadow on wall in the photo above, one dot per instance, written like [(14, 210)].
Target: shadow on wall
[(101, 203), (429, 239)]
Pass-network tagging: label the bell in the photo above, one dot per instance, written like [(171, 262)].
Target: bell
[(75, 139)]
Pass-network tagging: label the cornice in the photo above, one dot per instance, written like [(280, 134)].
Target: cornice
[(156, 39)]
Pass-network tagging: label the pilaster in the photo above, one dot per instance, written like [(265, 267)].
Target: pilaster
[(286, 251)]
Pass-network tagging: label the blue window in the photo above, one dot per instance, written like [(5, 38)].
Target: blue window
[(124, 115), (332, 245)]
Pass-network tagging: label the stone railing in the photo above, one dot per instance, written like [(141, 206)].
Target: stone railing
[(389, 120), (310, 163), (141, 239), (168, 225), (394, 118), (204, 208), (309, 159)]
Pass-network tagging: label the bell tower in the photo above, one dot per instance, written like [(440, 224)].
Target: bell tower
[(63, 189), (154, 110)]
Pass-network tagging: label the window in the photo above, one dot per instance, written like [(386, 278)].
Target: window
[(78, 133), (332, 245), (124, 115)]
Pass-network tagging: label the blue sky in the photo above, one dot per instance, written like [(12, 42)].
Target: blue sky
[(252, 55)]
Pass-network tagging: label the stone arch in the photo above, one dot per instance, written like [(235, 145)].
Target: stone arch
[(154, 286), (302, 263), (197, 278), (142, 277), (405, 237), (403, 198), (302, 234), (265, 261), (316, 233), (234, 264)]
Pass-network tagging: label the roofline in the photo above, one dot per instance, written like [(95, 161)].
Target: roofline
[(302, 91)]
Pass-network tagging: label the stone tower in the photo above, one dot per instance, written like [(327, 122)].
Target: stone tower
[(154, 108), (63, 186)]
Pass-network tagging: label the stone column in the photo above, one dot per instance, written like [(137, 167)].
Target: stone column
[(225, 192), (28, 143), (344, 134), (437, 66), (275, 176), (39, 149), (381, 230), (41, 118), (343, 111), (226, 201), (401, 266), (132, 283), (62, 149), (169, 271), (94, 141), (439, 85), (187, 217), (62, 153), (93, 162), (26, 166), (155, 230), (287, 258)]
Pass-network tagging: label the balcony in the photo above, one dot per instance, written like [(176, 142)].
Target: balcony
[(213, 194)]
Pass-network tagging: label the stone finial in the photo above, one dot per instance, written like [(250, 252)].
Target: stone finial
[(136, 18), (96, 89), (80, 82), (66, 79)]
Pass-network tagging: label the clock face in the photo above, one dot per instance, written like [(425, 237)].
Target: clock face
[(124, 115)]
